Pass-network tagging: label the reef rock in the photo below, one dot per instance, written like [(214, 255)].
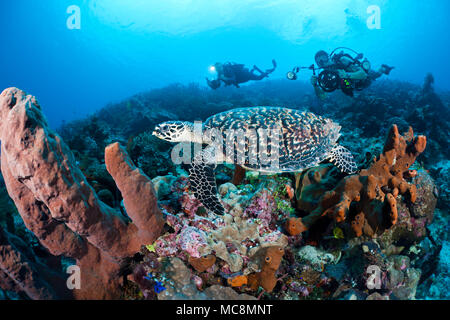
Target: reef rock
[(183, 287)]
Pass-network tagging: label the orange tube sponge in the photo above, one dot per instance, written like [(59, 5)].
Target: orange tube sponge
[(238, 281), (203, 263), (269, 259), (373, 190)]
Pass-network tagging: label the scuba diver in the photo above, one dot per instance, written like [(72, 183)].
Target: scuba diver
[(341, 70), (231, 73)]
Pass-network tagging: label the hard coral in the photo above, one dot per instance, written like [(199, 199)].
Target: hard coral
[(373, 190), (236, 232)]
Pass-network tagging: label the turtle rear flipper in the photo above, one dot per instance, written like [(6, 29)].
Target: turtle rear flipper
[(343, 159), (203, 183)]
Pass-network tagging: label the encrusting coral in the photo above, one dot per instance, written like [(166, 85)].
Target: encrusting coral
[(58, 205), (373, 191)]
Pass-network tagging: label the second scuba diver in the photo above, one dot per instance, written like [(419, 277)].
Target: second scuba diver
[(341, 70), (231, 73)]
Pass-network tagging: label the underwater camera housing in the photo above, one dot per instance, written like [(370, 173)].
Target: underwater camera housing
[(328, 80)]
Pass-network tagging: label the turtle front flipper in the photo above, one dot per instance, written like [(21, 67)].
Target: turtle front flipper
[(203, 182), (343, 159)]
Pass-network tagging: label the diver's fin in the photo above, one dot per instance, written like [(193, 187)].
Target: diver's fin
[(213, 84), (274, 63), (258, 69), (343, 159), (203, 183), (386, 69)]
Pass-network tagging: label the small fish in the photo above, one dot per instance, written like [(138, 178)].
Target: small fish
[(159, 287), (338, 233), (148, 276), (151, 247), (290, 191)]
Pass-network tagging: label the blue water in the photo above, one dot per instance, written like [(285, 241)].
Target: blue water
[(125, 47)]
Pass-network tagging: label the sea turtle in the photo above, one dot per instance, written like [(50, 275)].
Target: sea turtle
[(293, 139)]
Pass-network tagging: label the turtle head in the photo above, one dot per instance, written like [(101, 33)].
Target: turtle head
[(174, 131)]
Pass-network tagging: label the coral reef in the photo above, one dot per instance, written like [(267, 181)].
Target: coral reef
[(184, 288), (232, 238), (61, 208), (107, 222), (231, 250), (374, 190)]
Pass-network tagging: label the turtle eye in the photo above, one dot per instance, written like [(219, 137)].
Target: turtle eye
[(268, 259)]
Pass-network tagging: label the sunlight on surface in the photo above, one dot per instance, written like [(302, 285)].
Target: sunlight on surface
[(295, 20)]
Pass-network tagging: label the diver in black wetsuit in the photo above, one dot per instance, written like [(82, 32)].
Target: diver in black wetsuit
[(350, 70), (231, 73)]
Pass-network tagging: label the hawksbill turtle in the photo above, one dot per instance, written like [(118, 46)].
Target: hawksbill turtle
[(301, 140)]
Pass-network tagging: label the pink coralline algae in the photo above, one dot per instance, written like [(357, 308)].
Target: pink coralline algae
[(191, 240), (262, 207), (190, 204), (164, 245), (296, 287), (189, 236), (231, 238)]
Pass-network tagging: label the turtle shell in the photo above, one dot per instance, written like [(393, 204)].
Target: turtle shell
[(304, 139)]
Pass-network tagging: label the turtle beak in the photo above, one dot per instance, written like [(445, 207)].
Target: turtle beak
[(156, 132)]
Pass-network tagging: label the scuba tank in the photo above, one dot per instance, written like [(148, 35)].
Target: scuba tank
[(336, 58)]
